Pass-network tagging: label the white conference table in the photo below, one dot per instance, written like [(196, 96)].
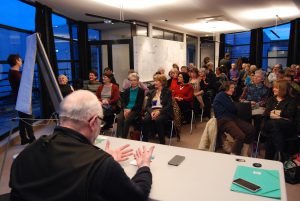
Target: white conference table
[(202, 175)]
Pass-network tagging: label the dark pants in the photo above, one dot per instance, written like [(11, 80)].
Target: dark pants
[(185, 108), (158, 125), (108, 116), (277, 132), (25, 126), (124, 124), (241, 131)]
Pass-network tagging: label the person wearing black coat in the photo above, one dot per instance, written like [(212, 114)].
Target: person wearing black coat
[(279, 121), (159, 109), (132, 103)]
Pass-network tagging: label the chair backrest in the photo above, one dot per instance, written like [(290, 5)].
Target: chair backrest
[(244, 111)]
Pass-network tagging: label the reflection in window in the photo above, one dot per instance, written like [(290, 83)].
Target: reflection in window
[(238, 45), (156, 33), (60, 26), (93, 34), (275, 45), (62, 49)]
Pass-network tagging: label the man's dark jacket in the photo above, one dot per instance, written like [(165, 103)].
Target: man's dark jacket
[(65, 166)]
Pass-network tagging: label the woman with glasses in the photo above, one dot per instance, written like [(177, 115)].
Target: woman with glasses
[(109, 95), (132, 102), (158, 109)]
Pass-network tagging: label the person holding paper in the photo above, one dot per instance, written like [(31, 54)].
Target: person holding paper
[(14, 77), (66, 166), (279, 116)]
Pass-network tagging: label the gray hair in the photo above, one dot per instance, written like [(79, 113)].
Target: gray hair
[(134, 75), (261, 73), (80, 105), (210, 64)]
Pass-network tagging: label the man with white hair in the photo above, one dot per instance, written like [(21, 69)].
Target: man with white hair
[(66, 166)]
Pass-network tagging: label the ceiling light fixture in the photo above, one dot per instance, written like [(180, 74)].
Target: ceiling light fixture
[(136, 4), (214, 26), (269, 13)]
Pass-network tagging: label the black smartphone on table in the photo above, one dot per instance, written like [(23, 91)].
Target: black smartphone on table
[(176, 160), (247, 185)]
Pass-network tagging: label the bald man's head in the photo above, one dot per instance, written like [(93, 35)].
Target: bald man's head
[(80, 105)]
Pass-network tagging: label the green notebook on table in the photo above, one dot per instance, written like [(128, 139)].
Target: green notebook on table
[(268, 180)]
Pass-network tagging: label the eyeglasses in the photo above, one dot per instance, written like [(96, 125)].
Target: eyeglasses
[(100, 119)]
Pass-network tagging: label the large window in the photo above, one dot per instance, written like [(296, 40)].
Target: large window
[(191, 46), (66, 46), (275, 45), (238, 45), (17, 21)]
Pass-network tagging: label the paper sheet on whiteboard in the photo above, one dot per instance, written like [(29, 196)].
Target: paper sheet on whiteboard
[(25, 91)]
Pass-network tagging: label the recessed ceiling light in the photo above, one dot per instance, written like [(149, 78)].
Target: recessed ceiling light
[(164, 20), (270, 13), (215, 26), (136, 4)]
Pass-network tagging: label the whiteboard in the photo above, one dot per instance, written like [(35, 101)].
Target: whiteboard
[(150, 54)]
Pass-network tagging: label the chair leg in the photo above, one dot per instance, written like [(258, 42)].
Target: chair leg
[(192, 119), (114, 130), (201, 117), (171, 133), (257, 143)]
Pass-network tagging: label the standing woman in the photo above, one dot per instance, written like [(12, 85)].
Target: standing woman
[(14, 77), (132, 103), (158, 109), (280, 116), (184, 94), (108, 94)]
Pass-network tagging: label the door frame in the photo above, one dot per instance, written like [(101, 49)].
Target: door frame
[(109, 44)]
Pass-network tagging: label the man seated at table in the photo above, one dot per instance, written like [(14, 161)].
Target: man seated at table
[(66, 166)]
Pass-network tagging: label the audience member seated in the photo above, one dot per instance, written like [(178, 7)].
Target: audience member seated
[(208, 94), (227, 120), (220, 78), (172, 82), (127, 83), (234, 73), (64, 87), (184, 95), (132, 102), (273, 75), (93, 83), (176, 67), (205, 61), (249, 78), (184, 69), (195, 82), (279, 123), (159, 109), (109, 95), (67, 166), (294, 88), (108, 71), (257, 92)]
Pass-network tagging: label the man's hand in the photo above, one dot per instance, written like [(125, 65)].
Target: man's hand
[(120, 154), (143, 156), (155, 114)]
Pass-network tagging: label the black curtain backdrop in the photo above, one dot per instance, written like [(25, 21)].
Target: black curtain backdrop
[(256, 47), (294, 43), (43, 25), (222, 47), (84, 50)]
